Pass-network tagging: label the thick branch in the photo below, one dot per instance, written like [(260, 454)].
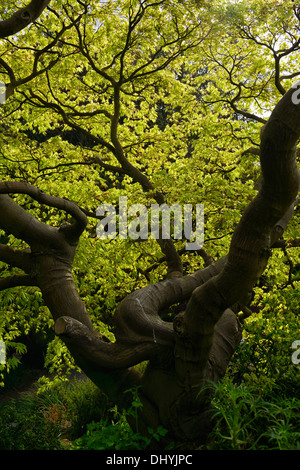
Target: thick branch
[(16, 281), (74, 230), (99, 359), (100, 351), (140, 333), (250, 245), (22, 18), (20, 223), (287, 243), (16, 258)]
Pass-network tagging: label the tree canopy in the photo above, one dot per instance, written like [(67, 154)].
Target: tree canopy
[(162, 102)]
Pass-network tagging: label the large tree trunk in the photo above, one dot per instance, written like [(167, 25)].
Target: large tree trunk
[(196, 347)]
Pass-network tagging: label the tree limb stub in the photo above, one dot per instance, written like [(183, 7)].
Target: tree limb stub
[(101, 352)]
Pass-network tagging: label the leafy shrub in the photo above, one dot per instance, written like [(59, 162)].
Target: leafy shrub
[(116, 434), (111, 435), (23, 426), (81, 400), (264, 359), (50, 413), (248, 420)]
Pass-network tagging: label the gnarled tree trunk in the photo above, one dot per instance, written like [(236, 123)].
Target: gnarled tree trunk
[(196, 347), (199, 343)]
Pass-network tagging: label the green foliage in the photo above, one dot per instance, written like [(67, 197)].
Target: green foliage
[(81, 400), (23, 427), (76, 416), (71, 414), (247, 419), (111, 435), (266, 350), (198, 79), (114, 433), (48, 418)]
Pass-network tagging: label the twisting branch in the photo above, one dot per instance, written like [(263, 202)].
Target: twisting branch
[(73, 230), (140, 332), (287, 243), (251, 241), (22, 18), (16, 258), (20, 223), (16, 281), (15, 83)]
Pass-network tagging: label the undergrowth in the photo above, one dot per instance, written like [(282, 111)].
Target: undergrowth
[(76, 416), (247, 419)]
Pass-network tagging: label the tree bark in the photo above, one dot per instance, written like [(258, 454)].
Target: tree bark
[(22, 18), (251, 241)]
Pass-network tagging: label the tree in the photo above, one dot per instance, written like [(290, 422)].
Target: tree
[(130, 100), (22, 18)]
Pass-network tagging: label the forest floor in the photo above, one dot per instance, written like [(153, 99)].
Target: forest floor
[(24, 385)]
